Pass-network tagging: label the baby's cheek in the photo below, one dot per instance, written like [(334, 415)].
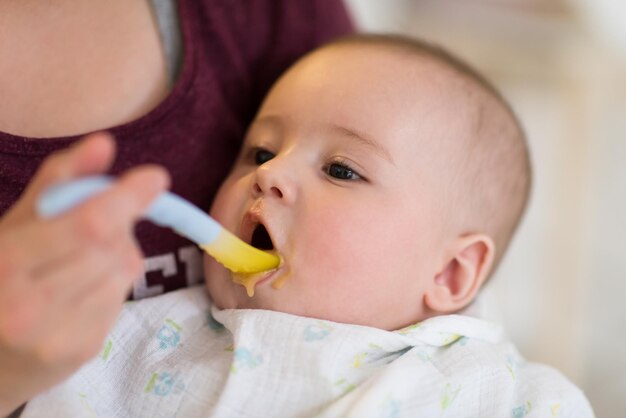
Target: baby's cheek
[(230, 196), (340, 246), (219, 208), (217, 281)]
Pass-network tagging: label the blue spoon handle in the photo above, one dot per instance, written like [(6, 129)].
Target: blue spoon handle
[(167, 210)]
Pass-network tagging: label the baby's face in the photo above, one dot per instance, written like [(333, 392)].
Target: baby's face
[(338, 168)]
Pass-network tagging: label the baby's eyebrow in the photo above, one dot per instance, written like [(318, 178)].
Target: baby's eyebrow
[(364, 139)]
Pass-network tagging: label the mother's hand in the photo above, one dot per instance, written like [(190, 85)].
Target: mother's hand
[(63, 280)]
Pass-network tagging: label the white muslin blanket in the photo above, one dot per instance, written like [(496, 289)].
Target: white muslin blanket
[(176, 356)]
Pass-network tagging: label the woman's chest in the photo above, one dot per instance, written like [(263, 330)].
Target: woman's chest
[(75, 67)]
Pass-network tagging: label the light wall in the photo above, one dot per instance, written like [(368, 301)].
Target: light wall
[(561, 288)]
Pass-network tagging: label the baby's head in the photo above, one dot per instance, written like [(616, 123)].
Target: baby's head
[(388, 176)]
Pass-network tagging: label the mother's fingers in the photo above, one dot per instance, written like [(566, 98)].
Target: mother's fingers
[(38, 246), (74, 277), (117, 208), (99, 223), (92, 155)]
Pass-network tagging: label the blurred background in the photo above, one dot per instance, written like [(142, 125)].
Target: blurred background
[(561, 290)]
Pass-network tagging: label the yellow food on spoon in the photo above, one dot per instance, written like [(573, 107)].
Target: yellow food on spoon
[(239, 257)]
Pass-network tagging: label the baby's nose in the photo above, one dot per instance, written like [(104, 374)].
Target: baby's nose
[(274, 180), (275, 191)]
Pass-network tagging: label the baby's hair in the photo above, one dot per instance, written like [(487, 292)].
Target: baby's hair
[(495, 178)]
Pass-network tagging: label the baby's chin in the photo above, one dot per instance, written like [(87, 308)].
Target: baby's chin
[(226, 294), (281, 300), (226, 290)]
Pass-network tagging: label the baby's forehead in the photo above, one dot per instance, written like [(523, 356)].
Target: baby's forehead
[(413, 75), (415, 66)]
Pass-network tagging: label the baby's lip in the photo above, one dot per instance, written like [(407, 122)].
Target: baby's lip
[(251, 282), (250, 221), (269, 276)]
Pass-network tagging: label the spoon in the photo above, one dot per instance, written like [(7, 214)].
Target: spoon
[(171, 211)]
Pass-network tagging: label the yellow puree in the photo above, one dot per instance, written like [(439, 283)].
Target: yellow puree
[(249, 280)]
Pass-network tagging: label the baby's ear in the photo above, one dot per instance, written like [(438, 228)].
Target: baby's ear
[(461, 278)]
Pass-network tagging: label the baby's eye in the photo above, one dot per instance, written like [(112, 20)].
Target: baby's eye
[(262, 156), (342, 172)]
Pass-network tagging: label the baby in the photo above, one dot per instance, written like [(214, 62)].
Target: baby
[(389, 177)]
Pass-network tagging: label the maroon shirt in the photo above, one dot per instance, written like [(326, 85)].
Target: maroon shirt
[(233, 52)]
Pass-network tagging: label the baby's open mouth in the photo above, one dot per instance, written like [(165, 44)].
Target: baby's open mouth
[(253, 232), (261, 238)]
